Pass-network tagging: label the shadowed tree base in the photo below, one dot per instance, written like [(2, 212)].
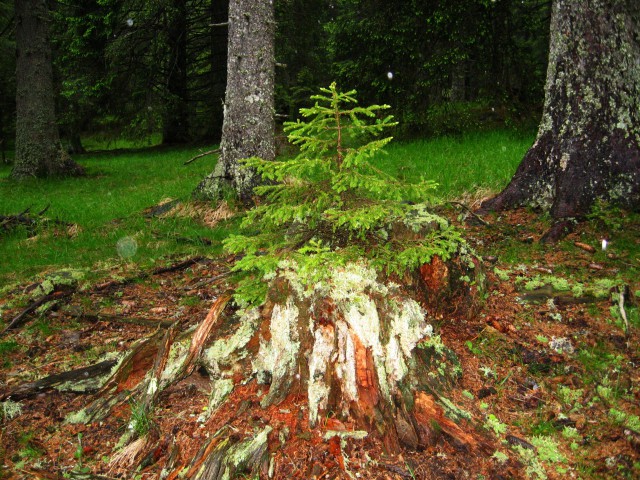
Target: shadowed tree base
[(554, 176), (588, 144)]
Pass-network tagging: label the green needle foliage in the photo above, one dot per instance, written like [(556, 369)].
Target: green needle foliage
[(330, 205)]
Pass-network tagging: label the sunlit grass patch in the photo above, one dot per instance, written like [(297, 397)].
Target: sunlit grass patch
[(104, 207), (459, 164)]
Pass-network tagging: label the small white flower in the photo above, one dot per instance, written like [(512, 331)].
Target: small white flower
[(390, 75), (130, 22), (604, 244)]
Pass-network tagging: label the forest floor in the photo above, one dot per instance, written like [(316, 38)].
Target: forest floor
[(550, 383)]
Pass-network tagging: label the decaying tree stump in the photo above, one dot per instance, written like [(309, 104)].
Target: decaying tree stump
[(358, 347)]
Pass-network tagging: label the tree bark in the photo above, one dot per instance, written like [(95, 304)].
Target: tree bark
[(39, 152), (588, 142), (248, 129)]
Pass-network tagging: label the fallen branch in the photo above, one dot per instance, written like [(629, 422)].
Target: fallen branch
[(177, 266), (104, 317), (79, 375), (158, 271), (472, 213), (21, 317), (210, 152), (623, 313)]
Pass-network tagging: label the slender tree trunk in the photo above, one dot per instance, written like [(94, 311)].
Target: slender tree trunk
[(248, 129), (176, 117), (588, 143), (39, 152)]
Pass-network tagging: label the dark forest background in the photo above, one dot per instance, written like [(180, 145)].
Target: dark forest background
[(139, 69)]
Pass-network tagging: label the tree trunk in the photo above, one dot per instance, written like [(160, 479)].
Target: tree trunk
[(588, 143), (39, 152), (248, 129), (176, 116), (74, 143)]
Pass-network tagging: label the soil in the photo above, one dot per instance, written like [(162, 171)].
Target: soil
[(550, 384)]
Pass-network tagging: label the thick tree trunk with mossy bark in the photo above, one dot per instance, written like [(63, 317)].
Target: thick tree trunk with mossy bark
[(39, 152), (248, 128), (588, 143)]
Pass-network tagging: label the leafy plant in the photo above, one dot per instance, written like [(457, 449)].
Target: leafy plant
[(496, 425), (547, 449), (626, 419), (331, 205)]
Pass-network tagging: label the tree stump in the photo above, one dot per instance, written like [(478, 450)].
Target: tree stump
[(356, 349)]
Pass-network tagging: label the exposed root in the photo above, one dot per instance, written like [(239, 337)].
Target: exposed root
[(130, 456)]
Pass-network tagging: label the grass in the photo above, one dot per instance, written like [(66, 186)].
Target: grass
[(107, 204), (459, 164)]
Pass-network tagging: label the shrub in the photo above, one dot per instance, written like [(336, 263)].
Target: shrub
[(330, 205)]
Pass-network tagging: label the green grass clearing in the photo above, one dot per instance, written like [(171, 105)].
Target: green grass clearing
[(107, 204)]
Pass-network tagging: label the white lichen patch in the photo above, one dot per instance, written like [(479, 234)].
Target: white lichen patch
[(407, 328), (279, 355), (226, 351), (240, 453), (79, 417), (152, 388), (177, 354), (353, 280), (10, 409), (219, 393), (345, 363), (354, 434), (318, 389)]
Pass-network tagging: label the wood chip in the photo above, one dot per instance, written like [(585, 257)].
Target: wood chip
[(585, 247)]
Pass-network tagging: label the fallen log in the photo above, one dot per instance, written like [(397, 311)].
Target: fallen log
[(203, 154), (85, 380)]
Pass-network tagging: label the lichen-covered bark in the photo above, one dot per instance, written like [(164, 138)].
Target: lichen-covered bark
[(248, 129), (588, 143), (353, 344), (39, 152)]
